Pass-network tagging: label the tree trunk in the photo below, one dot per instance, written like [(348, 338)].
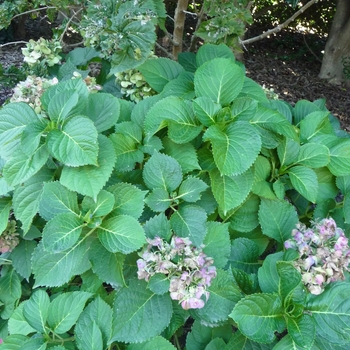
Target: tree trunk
[(338, 45), (179, 26)]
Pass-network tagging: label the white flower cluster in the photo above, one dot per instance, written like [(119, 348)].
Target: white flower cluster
[(133, 85), (188, 269), (270, 93), (324, 253), (46, 51)]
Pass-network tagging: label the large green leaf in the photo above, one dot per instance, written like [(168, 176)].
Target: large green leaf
[(61, 105), (277, 219), (26, 198), (128, 199), (304, 180), (21, 167), (76, 143), (158, 200), (62, 232), (314, 124), (139, 314), (289, 278), (121, 233), (158, 225), (17, 324), (205, 110), (103, 110), (184, 153), (269, 279), (22, 258), (36, 310), (239, 341), (175, 113), (231, 191), (259, 316), (89, 179), (252, 89), (235, 148), (191, 188), (159, 71), (217, 243), (14, 117), (103, 204), (302, 330), (158, 343), (274, 121), (65, 309), (303, 108), (162, 171), (313, 155), (331, 313), (224, 294), (244, 255), (339, 164), (209, 52), (219, 79), (55, 269), (107, 266), (5, 206), (97, 315), (10, 287), (57, 199), (190, 221), (31, 136)]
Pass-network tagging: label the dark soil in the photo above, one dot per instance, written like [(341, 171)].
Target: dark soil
[(288, 62)]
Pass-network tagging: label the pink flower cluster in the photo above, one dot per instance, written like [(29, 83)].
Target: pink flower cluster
[(324, 253), (188, 269), (9, 238)]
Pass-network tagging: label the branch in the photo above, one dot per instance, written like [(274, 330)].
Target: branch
[(68, 23), (14, 43), (280, 26), (179, 25), (36, 10)]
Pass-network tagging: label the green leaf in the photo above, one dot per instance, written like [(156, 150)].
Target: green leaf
[(97, 315), (22, 256), (5, 206), (219, 79), (259, 316), (89, 179), (103, 110), (62, 232), (243, 108), (55, 269), (14, 117), (239, 341), (57, 199), (20, 167), (231, 191), (159, 226), (190, 221), (274, 121), (302, 330), (185, 154), (253, 90), (103, 205), (31, 136), (201, 335), (331, 313), (217, 243), (34, 344), (289, 278), (287, 343), (245, 217), (244, 255), (175, 113), (90, 338), (26, 198), (209, 52), (188, 61), (128, 200), (65, 309), (191, 188), (36, 310), (224, 294), (181, 86), (216, 344), (340, 158), (206, 110), (303, 108), (139, 314), (17, 324), (304, 180), (159, 284), (76, 143), (158, 343), (61, 105), (162, 171), (107, 266), (235, 148), (314, 124), (10, 287), (313, 155), (158, 200), (121, 233), (277, 218), (159, 71)]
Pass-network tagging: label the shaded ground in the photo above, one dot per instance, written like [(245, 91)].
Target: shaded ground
[(289, 63)]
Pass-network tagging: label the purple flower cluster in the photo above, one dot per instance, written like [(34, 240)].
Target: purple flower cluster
[(324, 253), (9, 239), (188, 269)]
